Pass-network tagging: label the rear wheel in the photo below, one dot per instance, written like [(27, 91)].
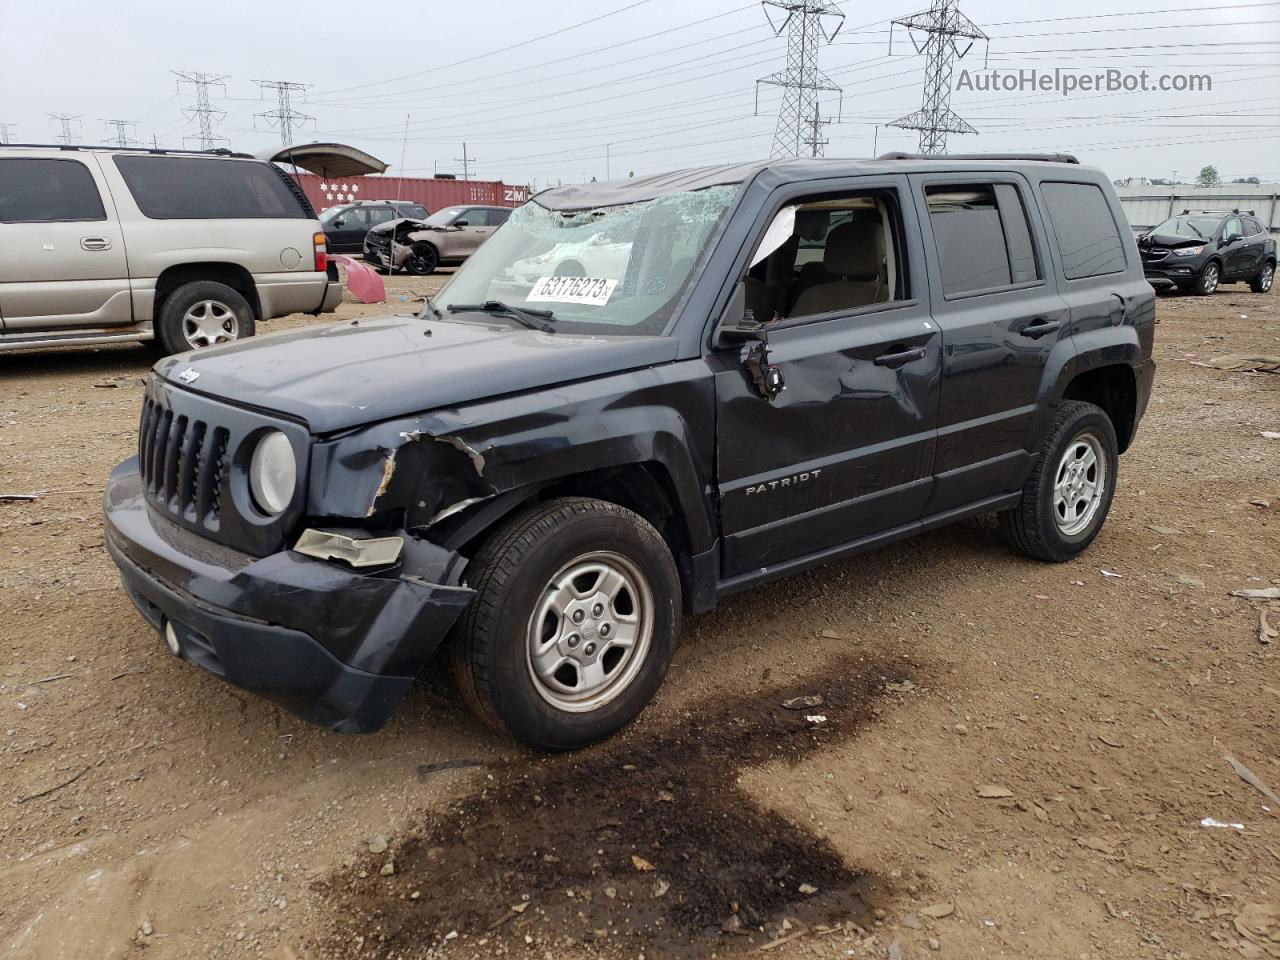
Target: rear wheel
[(573, 624), (203, 314), (1262, 282), (1066, 499), (1207, 282), (423, 259)]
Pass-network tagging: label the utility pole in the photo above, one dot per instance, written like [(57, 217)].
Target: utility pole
[(466, 162), (284, 116), (121, 134), (202, 113), (607, 175), (801, 81), (6, 132), (942, 24), (64, 121)]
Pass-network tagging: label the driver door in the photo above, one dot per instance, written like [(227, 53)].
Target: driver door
[(843, 454)]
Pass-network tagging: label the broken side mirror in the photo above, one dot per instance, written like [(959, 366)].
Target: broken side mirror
[(737, 323)]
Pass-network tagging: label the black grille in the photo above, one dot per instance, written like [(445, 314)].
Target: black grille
[(183, 463), (1154, 255)]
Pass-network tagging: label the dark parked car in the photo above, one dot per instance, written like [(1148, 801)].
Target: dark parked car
[(345, 225), (795, 361), (1199, 251)]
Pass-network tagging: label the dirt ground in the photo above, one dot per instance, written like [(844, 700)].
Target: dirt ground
[(1015, 759)]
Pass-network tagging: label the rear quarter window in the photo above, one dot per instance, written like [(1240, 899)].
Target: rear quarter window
[(1088, 239), (207, 188)]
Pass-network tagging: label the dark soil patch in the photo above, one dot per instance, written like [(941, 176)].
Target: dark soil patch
[(643, 844)]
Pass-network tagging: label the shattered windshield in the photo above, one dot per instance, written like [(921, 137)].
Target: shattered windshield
[(612, 270)]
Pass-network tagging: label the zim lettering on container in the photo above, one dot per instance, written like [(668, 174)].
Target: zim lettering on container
[(595, 291)]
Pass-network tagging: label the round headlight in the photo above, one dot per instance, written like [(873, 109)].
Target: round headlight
[(273, 473)]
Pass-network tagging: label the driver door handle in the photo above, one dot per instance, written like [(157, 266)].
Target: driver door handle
[(900, 358), (1038, 328), (95, 243)]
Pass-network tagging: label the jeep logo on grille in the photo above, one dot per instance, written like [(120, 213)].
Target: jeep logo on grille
[(189, 375)]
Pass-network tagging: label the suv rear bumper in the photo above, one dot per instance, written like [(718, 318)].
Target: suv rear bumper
[(336, 647)]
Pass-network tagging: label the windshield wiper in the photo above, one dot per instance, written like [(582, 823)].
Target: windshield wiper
[(533, 319)]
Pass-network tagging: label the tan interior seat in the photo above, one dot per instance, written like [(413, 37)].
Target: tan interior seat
[(854, 259)]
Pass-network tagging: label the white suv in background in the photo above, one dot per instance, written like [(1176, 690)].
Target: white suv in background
[(99, 245)]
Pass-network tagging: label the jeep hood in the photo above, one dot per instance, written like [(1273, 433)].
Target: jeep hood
[(359, 372)]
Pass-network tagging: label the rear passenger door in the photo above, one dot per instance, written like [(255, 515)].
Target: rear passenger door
[(62, 254), (1002, 319)]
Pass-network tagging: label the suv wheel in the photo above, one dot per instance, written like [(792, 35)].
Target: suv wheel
[(202, 314), (1262, 282), (423, 259), (573, 624), (1066, 498), (1207, 282)]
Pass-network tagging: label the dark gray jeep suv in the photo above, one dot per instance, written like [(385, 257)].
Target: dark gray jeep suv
[(759, 368)]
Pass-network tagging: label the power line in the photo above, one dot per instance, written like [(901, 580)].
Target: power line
[(64, 122), (121, 131), (202, 113), (942, 24), (801, 80), (284, 116)]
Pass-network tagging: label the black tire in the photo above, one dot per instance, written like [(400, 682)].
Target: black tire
[(1209, 280), (512, 573), (171, 321), (1262, 282), (1034, 526), (422, 260)]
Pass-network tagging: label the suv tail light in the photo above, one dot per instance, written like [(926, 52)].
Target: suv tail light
[(318, 240)]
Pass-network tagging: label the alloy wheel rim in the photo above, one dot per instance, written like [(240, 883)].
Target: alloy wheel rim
[(590, 632), (1211, 278), (1079, 484), (207, 322), (1268, 273)]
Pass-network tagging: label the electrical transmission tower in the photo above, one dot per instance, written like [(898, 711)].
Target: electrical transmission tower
[(801, 81), (64, 122), (943, 24), (202, 113), (6, 132), (284, 116), (118, 130), (466, 162)]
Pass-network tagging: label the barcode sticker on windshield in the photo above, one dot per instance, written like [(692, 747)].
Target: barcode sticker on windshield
[(595, 291)]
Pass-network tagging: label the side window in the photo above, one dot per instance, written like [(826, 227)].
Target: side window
[(357, 218), (1251, 227), (1017, 234), (828, 254), (973, 252), (475, 217), (47, 191), (1088, 240), (207, 188), (379, 215), (498, 217), (1232, 228)]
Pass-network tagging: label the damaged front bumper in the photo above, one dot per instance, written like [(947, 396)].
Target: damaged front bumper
[(333, 645)]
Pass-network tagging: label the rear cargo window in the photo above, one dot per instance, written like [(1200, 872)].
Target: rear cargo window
[(34, 190), (207, 188), (1088, 240)]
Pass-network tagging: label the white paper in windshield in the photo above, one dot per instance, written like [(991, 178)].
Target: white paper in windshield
[(594, 291)]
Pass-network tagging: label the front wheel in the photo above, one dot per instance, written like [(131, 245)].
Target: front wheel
[(1262, 282), (1066, 499), (423, 259), (573, 624), (1207, 282)]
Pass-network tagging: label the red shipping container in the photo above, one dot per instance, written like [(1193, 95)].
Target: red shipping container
[(432, 193)]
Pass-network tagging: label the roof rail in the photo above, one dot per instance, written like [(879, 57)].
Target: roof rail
[(72, 147), (1219, 213), (1041, 157)]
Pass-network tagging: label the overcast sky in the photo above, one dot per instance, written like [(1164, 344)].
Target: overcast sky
[(645, 77)]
